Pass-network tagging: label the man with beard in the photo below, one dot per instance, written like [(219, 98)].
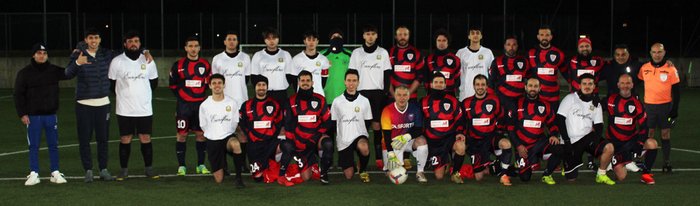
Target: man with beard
[(509, 72), (546, 62), (580, 119), (312, 61), (584, 63), (407, 63), (445, 62), (622, 64), (476, 59)]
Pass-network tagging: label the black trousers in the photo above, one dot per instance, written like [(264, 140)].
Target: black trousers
[(93, 120)]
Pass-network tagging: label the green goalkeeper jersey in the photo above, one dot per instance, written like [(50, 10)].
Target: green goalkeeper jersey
[(335, 84)]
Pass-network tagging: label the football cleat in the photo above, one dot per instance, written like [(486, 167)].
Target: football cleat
[(364, 177), (505, 180), (457, 178), (282, 180), (123, 174), (421, 177), (181, 171), (105, 175), (201, 169), (604, 179), (548, 180), (648, 179)]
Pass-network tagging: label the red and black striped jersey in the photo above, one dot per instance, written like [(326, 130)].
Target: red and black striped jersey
[(626, 118), (189, 79), (446, 63), (442, 116), (528, 121), (579, 66), (508, 75), (305, 120), (483, 117), (546, 64), (407, 66), (261, 120)]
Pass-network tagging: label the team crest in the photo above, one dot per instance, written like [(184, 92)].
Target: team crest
[(202, 70), (449, 61), (409, 56), (314, 104), (280, 59), (541, 109), (481, 57), (593, 61), (357, 109), (228, 108), (489, 107), (318, 63), (552, 57), (664, 77), (379, 57), (270, 109), (240, 64), (591, 108), (446, 106), (410, 117), (143, 67), (631, 108), (520, 65)]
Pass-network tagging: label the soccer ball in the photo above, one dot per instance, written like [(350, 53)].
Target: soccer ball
[(398, 176)]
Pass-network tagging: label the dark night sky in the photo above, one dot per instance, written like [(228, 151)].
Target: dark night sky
[(663, 24)]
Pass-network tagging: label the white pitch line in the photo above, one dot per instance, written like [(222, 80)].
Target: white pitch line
[(685, 150), (331, 173), (74, 145)]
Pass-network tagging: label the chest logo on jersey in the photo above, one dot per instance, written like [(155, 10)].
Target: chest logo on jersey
[(318, 63), (280, 60), (269, 109), (591, 108), (481, 121), (449, 61), (411, 117), (541, 109), (306, 118), (379, 57), (446, 74), (489, 107), (593, 62), (314, 104), (663, 77), (446, 106), (240, 64), (552, 57), (228, 108), (631, 108), (202, 70), (481, 57), (520, 64), (623, 121), (357, 109), (409, 56), (143, 66), (402, 68)]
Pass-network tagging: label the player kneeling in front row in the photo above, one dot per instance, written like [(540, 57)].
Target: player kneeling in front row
[(580, 118), (529, 117), (218, 118), (306, 124), (484, 119), (402, 125), (627, 131), (443, 130), (351, 112), (261, 121)]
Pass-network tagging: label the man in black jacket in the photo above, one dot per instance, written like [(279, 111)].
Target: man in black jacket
[(36, 102)]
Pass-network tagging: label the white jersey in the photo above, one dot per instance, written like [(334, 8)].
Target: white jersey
[(234, 70), (371, 67), (274, 67), (580, 116), (133, 86), (317, 66), (219, 119), (473, 63), (350, 119)]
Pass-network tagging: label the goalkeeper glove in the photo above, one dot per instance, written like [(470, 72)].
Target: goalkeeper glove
[(399, 141)]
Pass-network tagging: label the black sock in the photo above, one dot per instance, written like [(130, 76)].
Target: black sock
[(666, 147), (147, 153), (327, 157), (180, 149), (363, 161), (238, 161), (552, 163), (243, 153), (287, 150), (457, 161), (505, 158), (649, 158), (378, 145), (124, 152), (201, 152)]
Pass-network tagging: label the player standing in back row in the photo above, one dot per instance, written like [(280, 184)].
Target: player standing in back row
[(546, 62), (275, 64), (476, 59), (189, 77)]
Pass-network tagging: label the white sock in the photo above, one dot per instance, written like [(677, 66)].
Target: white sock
[(601, 172), (421, 154)]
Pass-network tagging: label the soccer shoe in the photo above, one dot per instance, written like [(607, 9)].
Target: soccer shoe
[(364, 177), (592, 166), (181, 171), (505, 180), (105, 175), (325, 180), (548, 180), (201, 169), (380, 164), (667, 168), (239, 183), (457, 178), (282, 180), (88, 176), (407, 164), (123, 174), (421, 177), (648, 179), (57, 177), (632, 167), (150, 173), (604, 179), (32, 179)]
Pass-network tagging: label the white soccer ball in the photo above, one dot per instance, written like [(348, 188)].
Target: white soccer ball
[(398, 176)]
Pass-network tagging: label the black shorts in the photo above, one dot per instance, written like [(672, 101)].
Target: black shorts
[(440, 151), (260, 152), (307, 157), (590, 144), (377, 101), (536, 152), (187, 117), (626, 151), (657, 115), (134, 125), (480, 151), (216, 153), (346, 158)]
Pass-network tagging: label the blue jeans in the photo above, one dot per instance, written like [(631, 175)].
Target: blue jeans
[(49, 124)]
